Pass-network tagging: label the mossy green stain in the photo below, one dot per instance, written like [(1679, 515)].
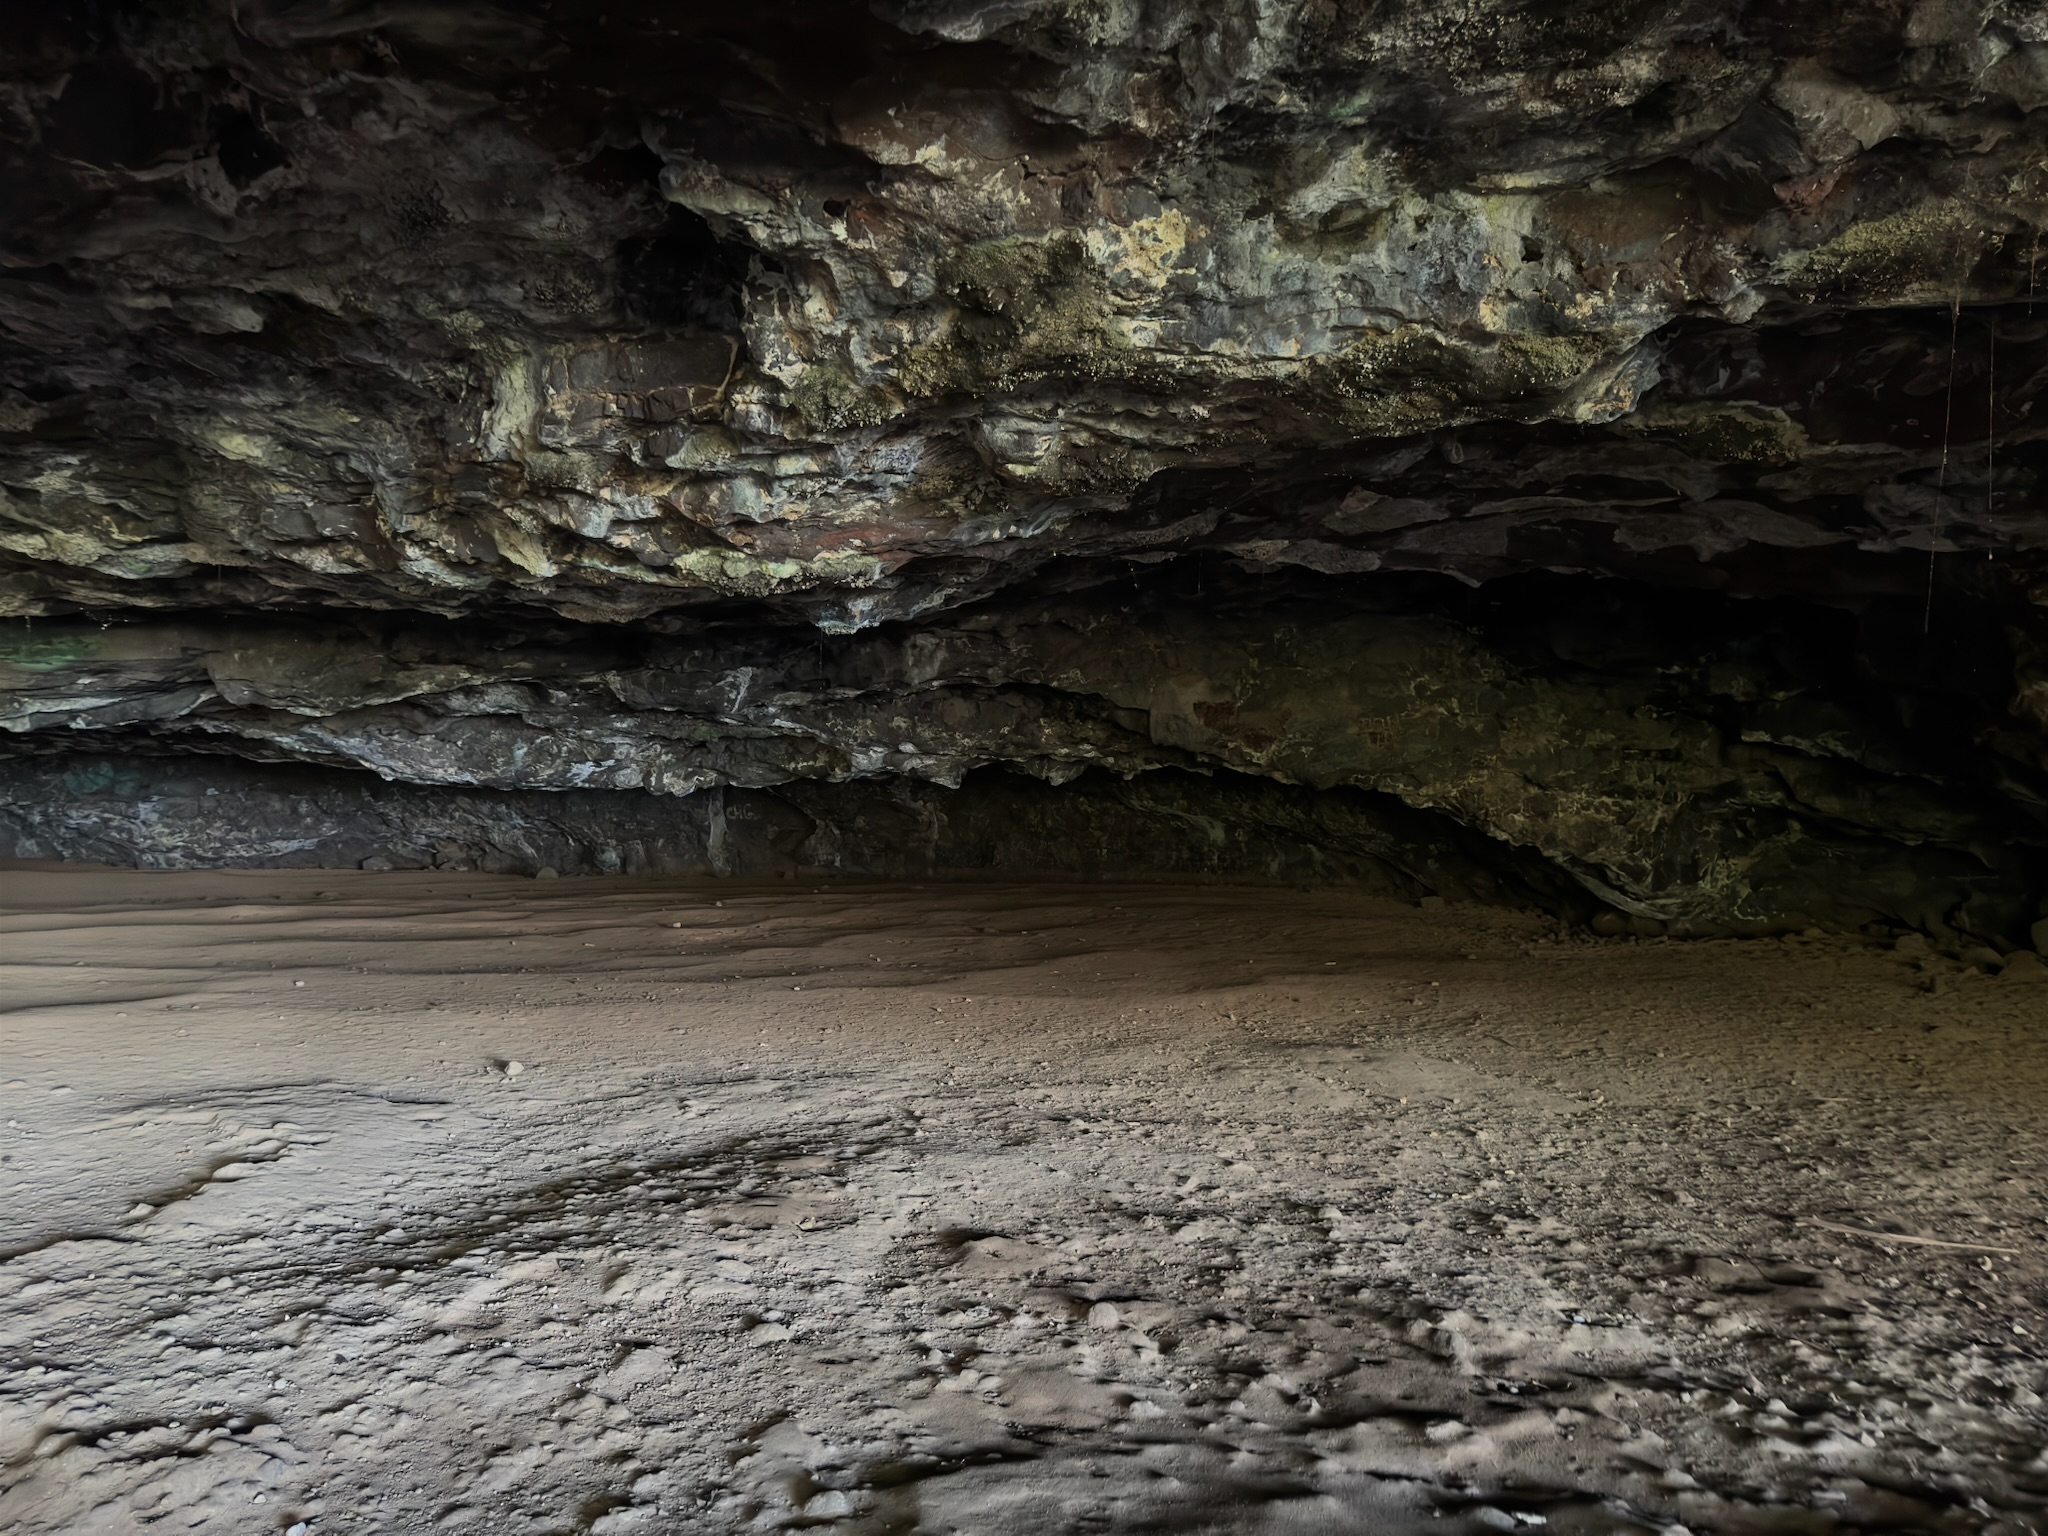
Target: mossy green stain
[(830, 399), (1026, 307), (103, 778), (21, 646)]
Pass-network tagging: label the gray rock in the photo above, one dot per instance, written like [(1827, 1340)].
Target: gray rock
[(1318, 399)]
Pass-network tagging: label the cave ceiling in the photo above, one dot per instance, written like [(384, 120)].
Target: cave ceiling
[(1607, 429)]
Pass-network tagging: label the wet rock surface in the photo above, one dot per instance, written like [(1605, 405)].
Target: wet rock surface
[(1598, 439)]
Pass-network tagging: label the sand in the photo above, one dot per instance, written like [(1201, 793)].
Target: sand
[(416, 1203)]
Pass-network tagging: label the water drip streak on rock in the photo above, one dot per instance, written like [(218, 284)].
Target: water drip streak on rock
[(1948, 416)]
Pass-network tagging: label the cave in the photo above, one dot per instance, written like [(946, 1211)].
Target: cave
[(1016, 766)]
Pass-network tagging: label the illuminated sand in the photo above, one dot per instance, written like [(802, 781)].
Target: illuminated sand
[(407, 1203)]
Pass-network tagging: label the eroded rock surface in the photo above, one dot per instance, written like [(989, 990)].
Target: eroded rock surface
[(1595, 439)]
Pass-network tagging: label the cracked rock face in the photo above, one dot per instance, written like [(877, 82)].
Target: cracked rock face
[(1582, 452)]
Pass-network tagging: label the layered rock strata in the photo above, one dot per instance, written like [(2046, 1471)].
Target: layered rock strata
[(1583, 451)]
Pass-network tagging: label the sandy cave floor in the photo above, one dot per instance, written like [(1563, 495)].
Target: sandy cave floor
[(412, 1202)]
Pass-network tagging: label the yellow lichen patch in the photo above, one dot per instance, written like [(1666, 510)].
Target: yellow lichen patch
[(1534, 365), (1413, 353), (1145, 252), (1414, 379), (1918, 255), (1743, 433), (1398, 414)]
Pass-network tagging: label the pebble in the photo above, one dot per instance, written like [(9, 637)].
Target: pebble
[(547, 872), (1104, 1316), (1496, 1519), (514, 1068)]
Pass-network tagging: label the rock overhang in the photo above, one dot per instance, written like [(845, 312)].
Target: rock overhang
[(1604, 430)]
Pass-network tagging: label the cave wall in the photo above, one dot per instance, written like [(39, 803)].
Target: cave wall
[(189, 813), (1581, 453)]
